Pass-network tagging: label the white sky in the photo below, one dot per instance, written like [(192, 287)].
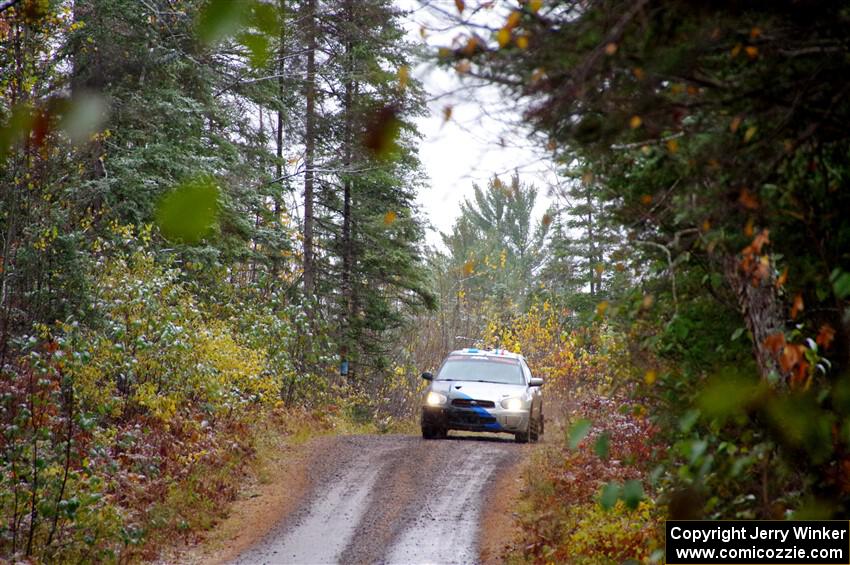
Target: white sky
[(483, 137)]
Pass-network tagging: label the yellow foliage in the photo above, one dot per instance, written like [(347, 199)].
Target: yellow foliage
[(617, 535), (564, 358)]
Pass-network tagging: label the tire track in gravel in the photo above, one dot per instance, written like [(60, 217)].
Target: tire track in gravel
[(391, 499)]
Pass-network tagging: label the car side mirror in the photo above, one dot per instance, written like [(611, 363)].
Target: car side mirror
[(535, 382), (428, 376)]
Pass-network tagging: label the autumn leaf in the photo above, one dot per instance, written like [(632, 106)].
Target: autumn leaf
[(752, 51), (748, 200), (460, 5), (403, 76), (638, 73), (522, 42), (390, 218), (537, 75), (503, 36), (513, 19), (748, 135), (650, 377), (797, 305), (610, 49), (647, 302), (635, 122), (749, 229), (646, 199), (783, 278), (469, 267), (792, 354), (601, 308), (825, 336), (774, 342), (735, 124), (673, 146), (547, 219), (534, 5), (463, 67), (447, 113)]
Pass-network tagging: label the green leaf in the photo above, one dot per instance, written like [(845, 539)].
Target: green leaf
[(632, 493), (687, 421), (729, 393), (609, 495), (220, 18), (736, 334), (840, 283), (603, 445), (258, 46), (189, 212), (264, 17), (16, 128), (697, 448), (577, 432)]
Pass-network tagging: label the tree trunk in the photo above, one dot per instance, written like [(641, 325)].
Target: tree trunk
[(761, 310), (309, 148), (279, 133), (347, 242)]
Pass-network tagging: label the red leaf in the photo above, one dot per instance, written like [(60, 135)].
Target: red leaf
[(797, 306), (825, 336)]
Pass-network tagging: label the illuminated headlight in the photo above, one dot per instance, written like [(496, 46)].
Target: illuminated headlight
[(435, 399), (512, 404)]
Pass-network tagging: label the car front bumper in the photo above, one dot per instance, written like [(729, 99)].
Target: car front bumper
[(475, 419)]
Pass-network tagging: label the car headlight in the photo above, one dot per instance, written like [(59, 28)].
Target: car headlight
[(435, 399), (512, 404)]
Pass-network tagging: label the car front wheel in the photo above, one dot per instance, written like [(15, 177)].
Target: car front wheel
[(522, 437), (433, 432)]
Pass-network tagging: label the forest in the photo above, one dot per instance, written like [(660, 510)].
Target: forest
[(209, 229)]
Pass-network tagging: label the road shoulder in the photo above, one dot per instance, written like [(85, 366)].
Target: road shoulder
[(499, 525)]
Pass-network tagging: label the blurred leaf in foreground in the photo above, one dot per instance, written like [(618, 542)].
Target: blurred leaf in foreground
[(632, 493), (609, 495), (189, 212), (16, 128), (220, 18), (578, 432), (382, 132), (84, 116)]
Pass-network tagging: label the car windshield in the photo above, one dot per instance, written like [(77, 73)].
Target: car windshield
[(487, 369)]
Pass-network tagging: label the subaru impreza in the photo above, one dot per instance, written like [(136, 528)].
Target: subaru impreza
[(483, 391)]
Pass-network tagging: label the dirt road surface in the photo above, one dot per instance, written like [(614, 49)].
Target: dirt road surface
[(391, 500)]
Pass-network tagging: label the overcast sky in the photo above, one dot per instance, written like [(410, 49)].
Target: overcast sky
[(483, 137)]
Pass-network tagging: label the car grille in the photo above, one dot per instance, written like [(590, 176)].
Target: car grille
[(469, 403), (470, 418)]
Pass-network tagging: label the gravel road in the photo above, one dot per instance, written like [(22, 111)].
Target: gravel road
[(390, 499)]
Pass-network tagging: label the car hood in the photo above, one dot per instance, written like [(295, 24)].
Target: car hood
[(477, 390)]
